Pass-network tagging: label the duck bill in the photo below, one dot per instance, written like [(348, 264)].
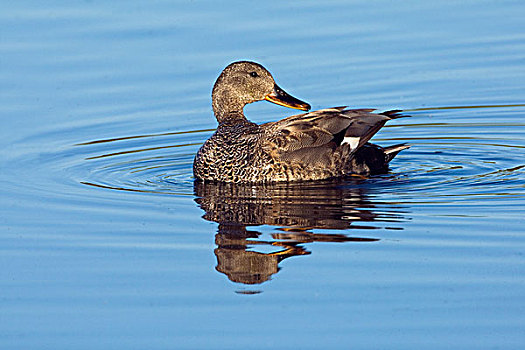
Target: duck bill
[(281, 97)]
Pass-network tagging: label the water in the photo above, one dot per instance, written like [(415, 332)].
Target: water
[(107, 243)]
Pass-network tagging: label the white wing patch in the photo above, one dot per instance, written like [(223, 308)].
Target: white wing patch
[(352, 141)]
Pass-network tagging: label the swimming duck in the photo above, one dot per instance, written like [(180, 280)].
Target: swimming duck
[(323, 144)]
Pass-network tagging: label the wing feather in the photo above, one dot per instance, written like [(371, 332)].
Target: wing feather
[(310, 137)]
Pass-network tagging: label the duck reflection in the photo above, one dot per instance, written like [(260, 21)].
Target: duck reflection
[(296, 209)]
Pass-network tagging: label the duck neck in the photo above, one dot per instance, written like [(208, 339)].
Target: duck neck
[(232, 118), (227, 108)]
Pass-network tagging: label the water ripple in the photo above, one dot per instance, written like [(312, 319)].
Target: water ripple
[(451, 159)]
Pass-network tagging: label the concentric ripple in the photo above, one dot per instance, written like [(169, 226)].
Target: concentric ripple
[(160, 163), (458, 153)]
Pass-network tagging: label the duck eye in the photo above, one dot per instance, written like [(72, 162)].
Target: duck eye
[(254, 74)]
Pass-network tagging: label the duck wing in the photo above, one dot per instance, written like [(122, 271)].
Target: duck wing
[(315, 136), (365, 125)]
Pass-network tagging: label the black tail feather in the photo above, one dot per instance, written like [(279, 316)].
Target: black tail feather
[(392, 151), (394, 114)]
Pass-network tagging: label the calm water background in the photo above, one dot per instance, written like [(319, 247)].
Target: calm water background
[(106, 244)]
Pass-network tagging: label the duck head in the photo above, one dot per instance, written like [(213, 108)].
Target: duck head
[(245, 82)]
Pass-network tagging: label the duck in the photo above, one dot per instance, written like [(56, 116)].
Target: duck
[(323, 144)]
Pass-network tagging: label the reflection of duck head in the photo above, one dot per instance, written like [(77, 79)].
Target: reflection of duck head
[(248, 266), (295, 208)]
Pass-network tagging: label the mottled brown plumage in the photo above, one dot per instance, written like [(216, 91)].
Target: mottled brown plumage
[(323, 144)]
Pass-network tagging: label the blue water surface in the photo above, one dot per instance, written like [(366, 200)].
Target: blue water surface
[(107, 243)]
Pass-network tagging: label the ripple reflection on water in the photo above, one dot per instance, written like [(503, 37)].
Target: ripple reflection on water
[(461, 150)]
